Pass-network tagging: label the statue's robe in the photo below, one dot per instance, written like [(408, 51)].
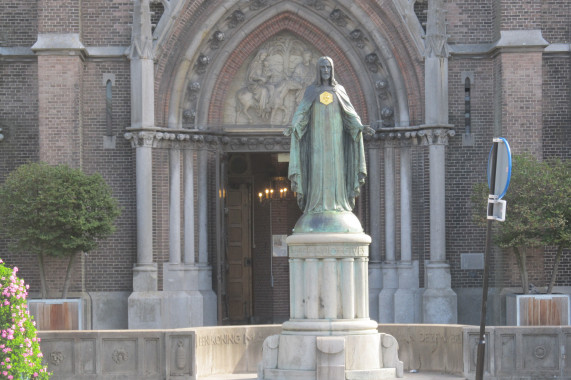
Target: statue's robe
[(327, 157)]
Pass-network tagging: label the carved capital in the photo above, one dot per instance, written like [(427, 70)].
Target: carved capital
[(435, 136), (143, 139)]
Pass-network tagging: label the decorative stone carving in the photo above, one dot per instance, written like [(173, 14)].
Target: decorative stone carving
[(180, 355), (436, 136), (216, 39), (235, 18), (193, 90), (358, 37), (142, 36), (56, 358), (339, 17), (317, 4), (436, 38), (120, 355), (372, 61), (257, 4), (189, 116), (269, 88), (387, 115), (142, 139), (202, 63)]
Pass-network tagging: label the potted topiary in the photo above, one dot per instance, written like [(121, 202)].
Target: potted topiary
[(538, 216), (55, 211), (20, 355)]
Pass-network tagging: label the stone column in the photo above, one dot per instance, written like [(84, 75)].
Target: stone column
[(375, 273), (189, 240), (145, 270), (144, 303), (407, 307), (389, 267), (174, 206), (439, 301), (188, 299), (203, 206)]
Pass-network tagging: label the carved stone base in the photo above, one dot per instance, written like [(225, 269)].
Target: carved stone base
[(363, 356), (187, 300), (439, 302)]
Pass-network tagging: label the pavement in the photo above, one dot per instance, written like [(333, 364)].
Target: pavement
[(407, 376)]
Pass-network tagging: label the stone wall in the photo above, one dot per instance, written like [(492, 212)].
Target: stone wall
[(522, 353)]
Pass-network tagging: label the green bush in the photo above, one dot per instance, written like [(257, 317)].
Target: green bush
[(538, 211), (55, 211), (20, 355)]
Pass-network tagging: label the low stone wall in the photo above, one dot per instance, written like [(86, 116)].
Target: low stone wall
[(522, 353)]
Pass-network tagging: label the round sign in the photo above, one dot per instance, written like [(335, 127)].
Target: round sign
[(503, 168)]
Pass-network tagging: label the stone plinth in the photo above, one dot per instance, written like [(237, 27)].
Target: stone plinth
[(329, 334), (187, 300)]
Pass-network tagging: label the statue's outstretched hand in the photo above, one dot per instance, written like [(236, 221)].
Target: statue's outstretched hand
[(368, 131), (288, 131)]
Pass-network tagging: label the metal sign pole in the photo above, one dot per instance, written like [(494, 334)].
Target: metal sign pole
[(482, 339)]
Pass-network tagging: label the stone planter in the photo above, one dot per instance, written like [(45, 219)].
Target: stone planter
[(537, 310), (57, 314)]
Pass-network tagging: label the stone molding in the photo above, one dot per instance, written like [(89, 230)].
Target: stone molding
[(512, 41), (59, 44), (270, 140)]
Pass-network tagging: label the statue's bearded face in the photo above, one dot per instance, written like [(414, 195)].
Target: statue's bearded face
[(325, 69)]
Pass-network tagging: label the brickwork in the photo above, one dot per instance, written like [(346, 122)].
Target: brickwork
[(470, 22), (106, 23), (59, 92), (520, 14), (522, 101), (556, 27), (465, 165), (59, 16), (18, 23), (109, 268), (556, 109)]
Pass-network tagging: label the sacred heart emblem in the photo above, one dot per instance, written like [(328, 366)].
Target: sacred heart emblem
[(326, 98)]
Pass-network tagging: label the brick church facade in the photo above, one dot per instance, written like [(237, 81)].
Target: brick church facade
[(181, 105)]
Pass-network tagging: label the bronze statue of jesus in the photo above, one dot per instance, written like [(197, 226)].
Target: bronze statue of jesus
[(327, 157)]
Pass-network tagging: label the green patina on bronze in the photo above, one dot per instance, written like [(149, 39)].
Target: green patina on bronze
[(327, 157)]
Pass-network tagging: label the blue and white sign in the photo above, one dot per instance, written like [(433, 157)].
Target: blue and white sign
[(499, 174), (503, 168)]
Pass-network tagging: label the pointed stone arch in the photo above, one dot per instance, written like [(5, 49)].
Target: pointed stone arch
[(308, 25)]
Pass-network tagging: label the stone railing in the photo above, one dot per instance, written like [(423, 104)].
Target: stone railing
[(511, 352)]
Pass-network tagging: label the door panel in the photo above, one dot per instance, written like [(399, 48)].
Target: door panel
[(239, 254)]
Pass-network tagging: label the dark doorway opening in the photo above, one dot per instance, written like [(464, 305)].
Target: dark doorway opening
[(261, 210)]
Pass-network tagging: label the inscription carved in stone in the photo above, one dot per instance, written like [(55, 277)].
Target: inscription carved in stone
[(268, 89)]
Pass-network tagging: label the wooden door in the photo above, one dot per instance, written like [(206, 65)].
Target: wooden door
[(239, 254)]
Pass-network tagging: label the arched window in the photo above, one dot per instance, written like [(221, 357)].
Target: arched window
[(109, 108), (467, 113)]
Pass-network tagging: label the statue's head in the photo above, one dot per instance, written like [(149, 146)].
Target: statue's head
[(325, 71)]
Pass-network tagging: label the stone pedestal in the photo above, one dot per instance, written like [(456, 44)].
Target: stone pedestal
[(387, 294), (329, 335), (439, 302), (187, 300), (406, 298)]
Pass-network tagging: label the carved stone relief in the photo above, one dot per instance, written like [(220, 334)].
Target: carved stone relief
[(268, 88)]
